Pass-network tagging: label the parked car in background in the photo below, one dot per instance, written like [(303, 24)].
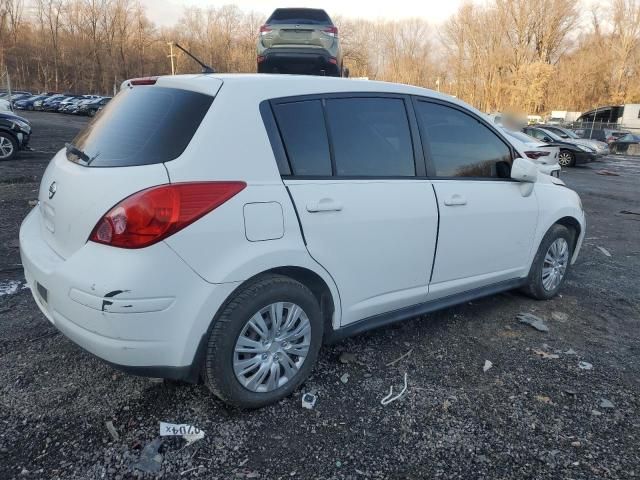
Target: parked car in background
[(570, 154), (42, 103), (601, 148), (605, 134), (92, 107), (543, 154), (29, 102), (623, 144), (51, 104), (555, 121), (238, 271), (300, 41), (5, 105), (613, 135), (15, 132)]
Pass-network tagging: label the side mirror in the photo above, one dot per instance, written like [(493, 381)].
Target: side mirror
[(524, 170), (547, 139)]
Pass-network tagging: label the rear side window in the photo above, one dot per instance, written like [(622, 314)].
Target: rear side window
[(143, 125), (303, 16), (305, 137), (370, 137), (460, 145)]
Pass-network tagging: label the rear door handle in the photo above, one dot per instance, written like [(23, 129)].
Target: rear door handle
[(455, 199), (324, 205)]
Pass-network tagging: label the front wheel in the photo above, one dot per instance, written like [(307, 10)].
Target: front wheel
[(566, 158), (551, 263), (8, 146), (264, 343)]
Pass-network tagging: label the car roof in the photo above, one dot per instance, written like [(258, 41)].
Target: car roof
[(267, 86)]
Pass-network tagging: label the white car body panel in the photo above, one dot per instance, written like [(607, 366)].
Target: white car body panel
[(375, 254), (486, 240)]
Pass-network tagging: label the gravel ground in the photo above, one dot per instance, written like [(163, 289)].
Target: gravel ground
[(531, 416)]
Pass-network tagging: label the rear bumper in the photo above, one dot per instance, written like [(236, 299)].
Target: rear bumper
[(144, 311), (298, 60)]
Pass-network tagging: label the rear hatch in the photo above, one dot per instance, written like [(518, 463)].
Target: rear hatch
[(287, 27), (122, 151)]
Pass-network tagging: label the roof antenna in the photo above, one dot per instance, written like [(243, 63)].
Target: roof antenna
[(205, 68)]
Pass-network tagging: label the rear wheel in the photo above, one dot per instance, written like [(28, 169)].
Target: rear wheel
[(264, 343), (566, 158), (551, 263), (8, 146)]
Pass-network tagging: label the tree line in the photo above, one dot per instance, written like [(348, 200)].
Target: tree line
[(521, 55)]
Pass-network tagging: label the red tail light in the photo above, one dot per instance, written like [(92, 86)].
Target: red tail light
[(333, 60), (536, 154), (261, 58), (264, 29), (331, 31), (152, 215), (143, 81)]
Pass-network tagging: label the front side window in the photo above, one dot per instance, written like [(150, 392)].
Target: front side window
[(370, 137), (460, 145)]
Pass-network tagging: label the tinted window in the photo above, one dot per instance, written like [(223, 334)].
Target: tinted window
[(523, 137), (305, 137), (460, 145), (370, 137), (143, 125), (299, 15), (539, 134)]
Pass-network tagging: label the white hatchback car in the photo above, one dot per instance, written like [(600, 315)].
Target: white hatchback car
[(224, 226)]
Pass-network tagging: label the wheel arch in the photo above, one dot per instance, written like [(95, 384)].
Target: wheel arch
[(573, 225)]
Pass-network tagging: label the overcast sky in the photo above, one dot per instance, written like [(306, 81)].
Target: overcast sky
[(166, 12)]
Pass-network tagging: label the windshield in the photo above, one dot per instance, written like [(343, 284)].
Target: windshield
[(141, 126), (570, 133)]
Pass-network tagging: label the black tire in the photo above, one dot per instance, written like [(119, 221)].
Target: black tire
[(4, 137), (570, 156), (92, 113), (535, 287), (218, 373)]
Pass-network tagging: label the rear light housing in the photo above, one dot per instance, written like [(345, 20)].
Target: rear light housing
[(151, 215), (143, 81), (265, 29), (331, 31), (536, 154), (261, 58), (333, 61)]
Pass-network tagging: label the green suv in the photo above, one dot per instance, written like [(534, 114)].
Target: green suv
[(302, 41)]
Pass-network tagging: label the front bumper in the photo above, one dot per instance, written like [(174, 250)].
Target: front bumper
[(144, 311), (298, 60), (584, 157)]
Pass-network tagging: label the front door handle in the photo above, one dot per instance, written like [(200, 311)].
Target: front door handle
[(455, 199), (324, 205)]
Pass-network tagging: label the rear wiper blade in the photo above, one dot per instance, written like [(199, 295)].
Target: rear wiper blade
[(72, 149)]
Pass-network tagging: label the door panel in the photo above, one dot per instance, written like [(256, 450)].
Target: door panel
[(375, 238), (486, 234)]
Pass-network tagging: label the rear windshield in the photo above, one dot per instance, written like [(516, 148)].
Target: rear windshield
[(142, 125), (303, 16)]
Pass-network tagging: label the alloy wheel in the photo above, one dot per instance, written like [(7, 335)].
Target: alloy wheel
[(564, 159), (6, 148), (555, 264), (271, 347)]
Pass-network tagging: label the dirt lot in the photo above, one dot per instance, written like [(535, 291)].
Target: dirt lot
[(526, 417)]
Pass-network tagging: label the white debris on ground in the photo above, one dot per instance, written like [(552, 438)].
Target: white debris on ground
[(487, 365), (11, 287)]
